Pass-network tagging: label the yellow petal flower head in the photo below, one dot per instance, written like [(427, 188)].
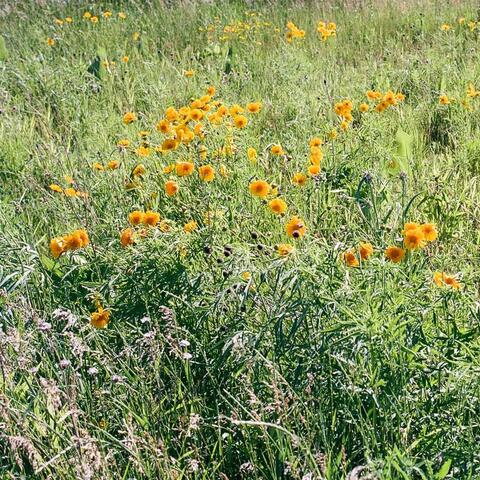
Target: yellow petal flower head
[(350, 258), (151, 218), (129, 117), (127, 237), (254, 107), (429, 231), (171, 188), (295, 227), (100, 318), (183, 169), (190, 226), (299, 179), (136, 217), (414, 239), (277, 206), (284, 249), (394, 254), (277, 150), (206, 173), (366, 250), (259, 188)]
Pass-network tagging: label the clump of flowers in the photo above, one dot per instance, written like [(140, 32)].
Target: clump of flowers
[(384, 100), (294, 32), (73, 241), (326, 30)]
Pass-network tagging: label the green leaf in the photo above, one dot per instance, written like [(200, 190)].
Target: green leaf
[(403, 143), (443, 472)]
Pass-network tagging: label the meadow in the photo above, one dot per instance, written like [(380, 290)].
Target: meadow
[(239, 240)]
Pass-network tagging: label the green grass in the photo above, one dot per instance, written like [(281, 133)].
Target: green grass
[(307, 369)]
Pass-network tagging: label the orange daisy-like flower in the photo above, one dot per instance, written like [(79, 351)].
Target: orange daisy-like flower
[(206, 173), (313, 170), (429, 231), (285, 249), (164, 126), (277, 150), (350, 258), (316, 142), (366, 250), (129, 117), (57, 247), (259, 188), (414, 239), (295, 227), (240, 121), (127, 237), (100, 318), (136, 217), (151, 218), (254, 107), (169, 144), (395, 254), (299, 179), (171, 188), (190, 226), (441, 279), (184, 169), (277, 206)]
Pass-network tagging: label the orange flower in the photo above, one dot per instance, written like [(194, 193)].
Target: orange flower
[(240, 121), (259, 188), (277, 150), (395, 254), (206, 173), (284, 249), (169, 144), (129, 117), (299, 179), (57, 247), (184, 169), (136, 217), (171, 188), (100, 318), (113, 164), (151, 218), (126, 237), (316, 142), (363, 107), (350, 258), (365, 249), (277, 206), (56, 188), (254, 107), (164, 126), (313, 170), (414, 239), (190, 226), (429, 231), (295, 227), (73, 241), (252, 154), (139, 170)]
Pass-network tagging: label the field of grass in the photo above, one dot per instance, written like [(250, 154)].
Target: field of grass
[(237, 243)]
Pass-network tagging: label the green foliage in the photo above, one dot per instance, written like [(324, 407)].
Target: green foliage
[(223, 359)]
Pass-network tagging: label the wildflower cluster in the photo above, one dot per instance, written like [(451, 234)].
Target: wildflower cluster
[(471, 93), (294, 32), (384, 100), (248, 30), (415, 236), (73, 241), (326, 30)]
